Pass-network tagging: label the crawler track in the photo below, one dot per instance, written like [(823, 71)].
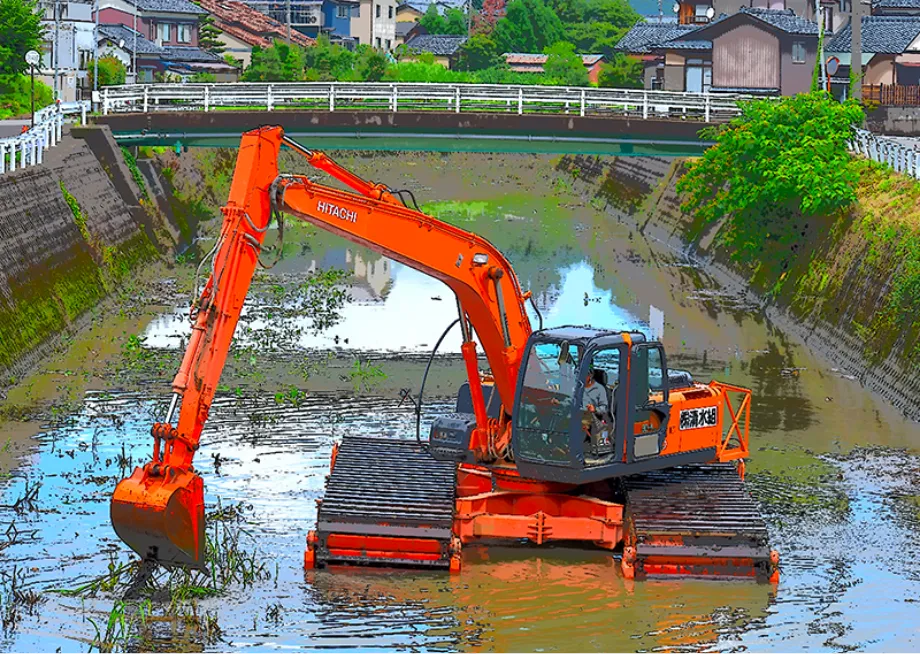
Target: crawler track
[(387, 502), (695, 520)]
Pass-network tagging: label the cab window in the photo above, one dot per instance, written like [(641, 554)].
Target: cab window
[(545, 410)]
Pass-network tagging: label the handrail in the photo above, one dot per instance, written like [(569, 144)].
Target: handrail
[(30, 146), (403, 96), (888, 151)]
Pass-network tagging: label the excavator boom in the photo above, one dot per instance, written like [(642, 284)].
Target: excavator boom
[(159, 509)]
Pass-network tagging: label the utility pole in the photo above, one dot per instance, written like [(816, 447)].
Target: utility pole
[(95, 47), (56, 4), (287, 9), (134, 54), (856, 74), (819, 18)]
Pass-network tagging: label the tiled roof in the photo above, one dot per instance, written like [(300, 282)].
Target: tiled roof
[(685, 44), (783, 20), (437, 44), (116, 33), (880, 35), (189, 53), (170, 6), (517, 58), (642, 36), (897, 4), (403, 28), (249, 25), (421, 6)]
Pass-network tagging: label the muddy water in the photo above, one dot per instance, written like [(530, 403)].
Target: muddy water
[(843, 514)]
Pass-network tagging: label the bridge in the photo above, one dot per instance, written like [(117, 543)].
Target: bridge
[(438, 117)]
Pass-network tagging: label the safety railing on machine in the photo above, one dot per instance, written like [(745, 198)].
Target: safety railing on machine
[(28, 148), (395, 97)]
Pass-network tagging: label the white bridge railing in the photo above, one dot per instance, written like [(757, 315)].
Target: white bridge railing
[(27, 149), (467, 98), (901, 157)]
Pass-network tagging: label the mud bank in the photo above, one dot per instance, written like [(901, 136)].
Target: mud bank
[(74, 230), (845, 288)]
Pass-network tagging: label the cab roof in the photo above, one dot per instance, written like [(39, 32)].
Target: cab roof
[(582, 334)]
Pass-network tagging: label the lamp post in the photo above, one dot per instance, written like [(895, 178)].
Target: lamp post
[(32, 58)]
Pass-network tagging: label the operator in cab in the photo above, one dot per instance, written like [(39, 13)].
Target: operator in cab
[(595, 408)]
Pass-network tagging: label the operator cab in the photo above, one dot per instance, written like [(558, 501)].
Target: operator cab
[(591, 404)]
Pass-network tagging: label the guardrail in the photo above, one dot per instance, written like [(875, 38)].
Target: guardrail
[(29, 147), (900, 157), (481, 98)]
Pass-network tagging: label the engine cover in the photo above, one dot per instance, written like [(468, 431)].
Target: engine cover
[(450, 437)]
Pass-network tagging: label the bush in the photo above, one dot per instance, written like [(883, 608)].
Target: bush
[(111, 71), (777, 162), (563, 66), (16, 95), (622, 71), (203, 78)]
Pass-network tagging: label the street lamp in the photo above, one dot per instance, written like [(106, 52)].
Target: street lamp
[(32, 58)]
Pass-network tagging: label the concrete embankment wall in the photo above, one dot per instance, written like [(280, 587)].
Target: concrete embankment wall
[(71, 230), (836, 288)]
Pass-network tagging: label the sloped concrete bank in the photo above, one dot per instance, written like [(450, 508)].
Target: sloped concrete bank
[(71, 231), (838, 289)]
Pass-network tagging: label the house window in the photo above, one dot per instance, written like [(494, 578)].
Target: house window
[(378, 16), (699, 14), (846, 6), (388, 44), (378, 39), (184, 33), (341, 11), (798, 52), (163, 32), (390, 11)]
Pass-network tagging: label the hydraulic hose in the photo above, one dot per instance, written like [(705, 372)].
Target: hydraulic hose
[(421, 390)]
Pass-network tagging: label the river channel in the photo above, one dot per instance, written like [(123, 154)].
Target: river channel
[(834, 469)]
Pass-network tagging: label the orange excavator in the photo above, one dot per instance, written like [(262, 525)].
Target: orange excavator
[(573, 434)]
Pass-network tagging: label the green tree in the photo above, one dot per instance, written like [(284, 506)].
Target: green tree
[(563, 66), (326, 61), (432, 20), (265, 66), (479, 53), (371, 64), (778, 165), (455, 22), (528, 26), (203, 78), (16, 95), (20, 31), (595, 26), (209, 36), (111, 71), (621, 71)]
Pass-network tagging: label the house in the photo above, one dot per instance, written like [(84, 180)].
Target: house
[(521, 62), (172, 25), (165, 22), (411, 10), (639, 42), (891, 51), (896, 8), (122, 42), (406, 31), (756, 51), (67, 46), (243, 28), (445, 48), (374, 22)]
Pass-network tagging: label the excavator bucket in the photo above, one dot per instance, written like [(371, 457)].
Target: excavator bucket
[(161, 517)]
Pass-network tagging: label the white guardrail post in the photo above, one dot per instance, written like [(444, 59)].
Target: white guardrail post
[(269, 100), (28, 148), (894, 154)]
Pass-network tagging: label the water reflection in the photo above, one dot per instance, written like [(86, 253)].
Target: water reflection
[(397, 308)]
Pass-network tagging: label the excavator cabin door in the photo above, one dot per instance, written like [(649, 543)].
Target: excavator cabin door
[(648, 402)]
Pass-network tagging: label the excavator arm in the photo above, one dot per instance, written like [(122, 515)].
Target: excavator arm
[(159, 509)]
